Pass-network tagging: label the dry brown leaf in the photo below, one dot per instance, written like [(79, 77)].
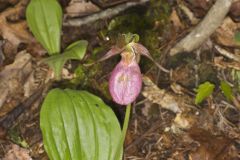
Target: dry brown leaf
[(147, 108), (12, 79), (179, 104), (20, 80), (189, 14), (17, 153), (176, 20), (225, 34), (184, 75), (159, 96), (78, 8), (16, 33)]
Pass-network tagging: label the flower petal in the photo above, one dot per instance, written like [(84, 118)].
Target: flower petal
[(125, 83), (112, 52), (140, 49)]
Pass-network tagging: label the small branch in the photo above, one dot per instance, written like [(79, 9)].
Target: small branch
[(227, 54), (108, 13), (204, 30)]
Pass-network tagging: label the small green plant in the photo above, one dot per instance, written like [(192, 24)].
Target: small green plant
[(44, 19), (206, 89), (15, 137), (203, 91), (227, 90), (76, 125)]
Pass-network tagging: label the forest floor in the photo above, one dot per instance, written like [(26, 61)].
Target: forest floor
[(194, 43)]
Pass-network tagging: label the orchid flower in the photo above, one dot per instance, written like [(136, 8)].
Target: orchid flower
[(125, 82)]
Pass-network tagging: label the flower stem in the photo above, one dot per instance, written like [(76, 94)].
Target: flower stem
[(125, 124), (124, 131)]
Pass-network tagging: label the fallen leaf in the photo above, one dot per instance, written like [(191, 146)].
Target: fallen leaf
[(16, 33), (176, 20), (159, 96), (80, 8), (225, 34), (17, 153), (12, 79)]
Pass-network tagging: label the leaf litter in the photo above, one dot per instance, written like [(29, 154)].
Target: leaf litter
[(166, 124)]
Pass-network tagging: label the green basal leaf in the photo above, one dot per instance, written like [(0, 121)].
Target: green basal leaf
[(203, 91), (227, 90), (44, 18), (77, 125), (75, 51)]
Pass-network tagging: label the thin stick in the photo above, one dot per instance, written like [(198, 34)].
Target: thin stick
[(105, 14), (204, 29), (227, 53)]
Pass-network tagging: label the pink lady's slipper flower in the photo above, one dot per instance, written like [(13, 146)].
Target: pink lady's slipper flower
[(125, 82)]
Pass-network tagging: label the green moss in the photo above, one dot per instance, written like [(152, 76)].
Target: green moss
[(149, 23), (79, 75), (14, 135)]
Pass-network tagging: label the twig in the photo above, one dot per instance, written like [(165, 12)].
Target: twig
[(189, 14), (108, 13), (218, 61), (204, 30), (227, 54)]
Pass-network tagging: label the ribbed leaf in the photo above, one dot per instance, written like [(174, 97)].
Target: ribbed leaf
[(75, 51), (44, 18), (77, 125)]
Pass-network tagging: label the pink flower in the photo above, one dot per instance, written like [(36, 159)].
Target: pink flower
[(125, 82)]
